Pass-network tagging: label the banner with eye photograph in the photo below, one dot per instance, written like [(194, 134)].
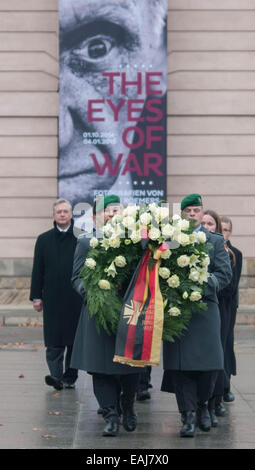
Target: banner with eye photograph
[(112, 100)]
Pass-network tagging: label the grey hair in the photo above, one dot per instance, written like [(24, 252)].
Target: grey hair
[(61, 201)]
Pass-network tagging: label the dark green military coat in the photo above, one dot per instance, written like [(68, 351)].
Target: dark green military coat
[(92, 351), (200, 346)]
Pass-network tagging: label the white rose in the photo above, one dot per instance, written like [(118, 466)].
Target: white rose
[(90, 263), (128, 221), (161, 213), (130, 211), (201, 237), (145, 218), (195, 296), (166, 254), (154, 233), (183, 239), (135, 237), (167, 230), (206, 261), (93, 242), (118, 231), (105, 243), (111, 271), (183, 261), (120, 261), (176, 218), (103, 284), (108, 229), (164, 211), (192, 237), (116, 219), (114, 242), (173, 281), (164, 273), (194, 275), (174, 311), (152, 207), (193, 260), (203, 277), (184, 224), (176, 234)]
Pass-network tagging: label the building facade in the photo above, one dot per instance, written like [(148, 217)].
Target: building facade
[(211, 124)]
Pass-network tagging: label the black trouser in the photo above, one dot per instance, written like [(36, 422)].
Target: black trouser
[(192, 387), (144, 379), (59, 365), (107, 388)]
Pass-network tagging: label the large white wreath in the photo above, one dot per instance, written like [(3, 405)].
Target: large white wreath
[(111, 261)]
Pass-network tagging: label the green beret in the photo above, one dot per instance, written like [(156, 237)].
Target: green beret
[(191, 200), (103, 202)]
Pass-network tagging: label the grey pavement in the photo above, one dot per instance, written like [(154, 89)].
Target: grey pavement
[(35, 416)]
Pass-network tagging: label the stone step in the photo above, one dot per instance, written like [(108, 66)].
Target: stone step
[(25, 315), (20, 315), (246, 315)]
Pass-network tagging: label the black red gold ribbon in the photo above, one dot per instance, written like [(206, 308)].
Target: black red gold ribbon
[(138, 340)]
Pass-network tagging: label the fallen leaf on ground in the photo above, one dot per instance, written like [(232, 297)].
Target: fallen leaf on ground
[(37, 429), (21, 376), (55, 413), (48, 436), (56, 394)]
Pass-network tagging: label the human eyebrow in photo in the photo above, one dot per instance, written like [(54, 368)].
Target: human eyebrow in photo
[(122, 36)]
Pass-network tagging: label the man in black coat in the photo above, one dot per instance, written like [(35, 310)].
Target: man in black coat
[(52, 292), (191, 363), (230, 359), (94, 351)]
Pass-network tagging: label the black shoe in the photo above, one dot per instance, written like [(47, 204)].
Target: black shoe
[(220, 410), (211, 409), (129, 419), (143, 395), (112, 420), (203, 417), (189, 424), (214, 420), (112, 427), (228, 397), (68, 385), (54, 382), (100, 411)]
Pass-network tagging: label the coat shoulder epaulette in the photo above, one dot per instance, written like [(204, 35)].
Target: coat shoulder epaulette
[(218, 233), (84, 235)]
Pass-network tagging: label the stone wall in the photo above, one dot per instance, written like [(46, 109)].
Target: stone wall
[(211, 122)]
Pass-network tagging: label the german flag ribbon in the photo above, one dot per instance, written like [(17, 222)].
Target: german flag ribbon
[(138, 340)]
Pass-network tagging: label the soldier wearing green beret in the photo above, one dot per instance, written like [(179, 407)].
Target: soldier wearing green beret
[(93, 351), (193, 199), (191, 364)]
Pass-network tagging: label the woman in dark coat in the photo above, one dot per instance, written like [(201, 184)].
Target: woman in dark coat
[(230, 359), (211, 221), (52, 291)]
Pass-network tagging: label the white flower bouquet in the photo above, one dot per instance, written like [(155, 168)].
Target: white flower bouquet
[(183, 272)]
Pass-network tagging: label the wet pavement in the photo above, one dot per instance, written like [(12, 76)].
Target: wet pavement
[(35, 416)]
